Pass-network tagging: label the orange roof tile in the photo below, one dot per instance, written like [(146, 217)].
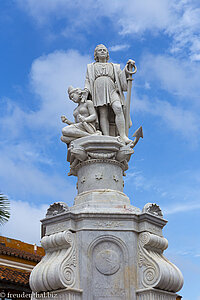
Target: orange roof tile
[(13, 275), (17, 244), (19, 253)]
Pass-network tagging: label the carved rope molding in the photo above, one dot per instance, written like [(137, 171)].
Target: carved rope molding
[(155, 270), (57, 269)]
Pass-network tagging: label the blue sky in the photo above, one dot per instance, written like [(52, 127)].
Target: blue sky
[(45, 47)]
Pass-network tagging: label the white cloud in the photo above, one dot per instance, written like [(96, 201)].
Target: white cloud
[(176, 76), (147, 85), (42, 10), (140, 16), (131, 15), (185, 31), (141, 182), (180, 120), (12, 119), (177, 19), (27, 172), (175, 194), (24, 223), (51, 75), (25, 168), (119, 47), (181, 207), (76, 13)]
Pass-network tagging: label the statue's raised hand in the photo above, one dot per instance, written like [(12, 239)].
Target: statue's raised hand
[(65, 120), (130, 62), (129, 66)]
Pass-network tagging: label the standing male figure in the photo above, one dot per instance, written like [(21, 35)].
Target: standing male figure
[(105, 82)]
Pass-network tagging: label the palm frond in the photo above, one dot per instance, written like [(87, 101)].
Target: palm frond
[(4, 209)]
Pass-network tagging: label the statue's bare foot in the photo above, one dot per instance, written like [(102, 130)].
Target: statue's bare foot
[(98, 132), (126, 140)]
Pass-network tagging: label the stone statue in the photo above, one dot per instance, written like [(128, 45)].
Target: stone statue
[(101, 111), (85, 118), (103, 247), (104, 84)]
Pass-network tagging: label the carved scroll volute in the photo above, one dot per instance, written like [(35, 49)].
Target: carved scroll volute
[(57, 269), (154, 269)]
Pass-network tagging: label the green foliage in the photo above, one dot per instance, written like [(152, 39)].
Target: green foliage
[(4, 209)]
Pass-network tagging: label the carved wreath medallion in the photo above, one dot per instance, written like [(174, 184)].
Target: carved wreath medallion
[(107, 262)]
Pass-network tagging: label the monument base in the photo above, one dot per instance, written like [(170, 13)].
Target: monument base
[(97, 254), (153, 294), (63, 294), (103, 248), (71, 294)]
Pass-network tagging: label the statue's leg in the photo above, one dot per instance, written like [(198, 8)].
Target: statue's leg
[(119, 120), (72, 131), (104, 123)]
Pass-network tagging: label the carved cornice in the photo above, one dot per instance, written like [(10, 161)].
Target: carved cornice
[(58, 268), (102, 160), (97, 148), (155, 270)]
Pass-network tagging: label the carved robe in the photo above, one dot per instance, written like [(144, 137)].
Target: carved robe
[(105, 82)]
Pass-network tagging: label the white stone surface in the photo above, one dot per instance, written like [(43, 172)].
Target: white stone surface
[(105, 83), (104, 150), (85, 117), (103, 198), (102, 108), (61, 294), (58, 268), (154, 269), (103, 248), (153, 294), (119, 254)]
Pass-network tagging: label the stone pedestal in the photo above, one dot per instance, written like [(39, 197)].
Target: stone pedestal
[(103, 248)]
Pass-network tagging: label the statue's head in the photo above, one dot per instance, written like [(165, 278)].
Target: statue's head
[(97, 49), (74, 94)]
